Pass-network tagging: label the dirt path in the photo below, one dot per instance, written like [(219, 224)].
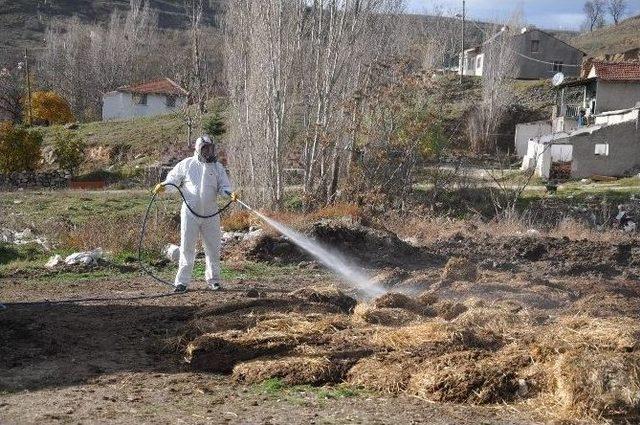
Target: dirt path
[(109, 362)]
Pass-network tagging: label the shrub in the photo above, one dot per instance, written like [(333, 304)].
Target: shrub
[(48, 107), (20, 149), (69, 149), (214, 125)]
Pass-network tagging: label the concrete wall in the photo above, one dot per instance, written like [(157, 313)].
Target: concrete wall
[(624, 151), (526, 131), (564, 124), (118, 105), (616, 118), (612, 96), (550, 49), (469, 63)]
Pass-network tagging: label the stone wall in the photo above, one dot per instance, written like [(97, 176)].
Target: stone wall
[(34, 180)]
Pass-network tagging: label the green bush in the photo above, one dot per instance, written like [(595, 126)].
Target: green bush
[(69, 149), (20, 148), (213, 124)]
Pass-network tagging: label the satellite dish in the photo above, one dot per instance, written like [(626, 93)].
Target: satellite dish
[(557, 79)]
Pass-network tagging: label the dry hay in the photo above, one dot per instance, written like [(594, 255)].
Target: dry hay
[(275, 334), (394, 300), (325, 295), (460, 268), (415, 336), (291, 370), (606, 305), (583, 332), (365, 313), (388, 373), (310, 326), (496, 319), (449, 310), (598, 384), (469, 377), (392, 309), (219, 352), (427, 298)]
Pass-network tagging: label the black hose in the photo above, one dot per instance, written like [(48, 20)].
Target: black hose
[(143, 230)]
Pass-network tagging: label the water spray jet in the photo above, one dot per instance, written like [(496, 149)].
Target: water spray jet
[(329, 258)]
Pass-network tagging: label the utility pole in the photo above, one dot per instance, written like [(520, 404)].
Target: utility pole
[(462, 50), (26, 71)]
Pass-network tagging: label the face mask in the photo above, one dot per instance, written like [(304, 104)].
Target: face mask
[(208, 153)]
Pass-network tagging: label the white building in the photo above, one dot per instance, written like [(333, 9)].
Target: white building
[(143, 100)]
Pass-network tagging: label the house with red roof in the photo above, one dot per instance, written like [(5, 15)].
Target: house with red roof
[(595, 127), (157, 97)]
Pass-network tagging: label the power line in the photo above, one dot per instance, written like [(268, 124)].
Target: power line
[(525, 56)]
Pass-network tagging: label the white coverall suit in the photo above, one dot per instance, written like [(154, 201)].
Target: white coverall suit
[(200, 183)]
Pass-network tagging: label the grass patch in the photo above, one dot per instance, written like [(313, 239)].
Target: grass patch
[(27, 252), (300, 394)]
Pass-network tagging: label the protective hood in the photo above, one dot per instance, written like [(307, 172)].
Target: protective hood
[(200, 142)]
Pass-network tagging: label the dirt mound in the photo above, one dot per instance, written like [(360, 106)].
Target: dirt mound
[(600, 384), (469, 377), (460, 268), (394, 300), (325, 295), (443, 346), (390, 278), (607, 305), (551, 255), (220, 352), (370, 247), (427, 298), (389, 372), (291, 370), (364, 313), (449, 310)]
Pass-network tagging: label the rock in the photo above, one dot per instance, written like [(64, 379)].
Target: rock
[(85, 258), (54, 261), (251, 235), (533, 232), (71, 126), (171, 252)]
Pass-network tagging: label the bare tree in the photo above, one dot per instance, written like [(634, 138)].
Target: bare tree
[(83, 61), (594, 11), (11, 93), (497, 93), (346, 38), (616, 9), (291, 67)]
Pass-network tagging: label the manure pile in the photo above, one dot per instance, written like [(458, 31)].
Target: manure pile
[(566, 363)]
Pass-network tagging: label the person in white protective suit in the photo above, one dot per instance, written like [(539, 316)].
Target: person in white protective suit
[(201, 178)]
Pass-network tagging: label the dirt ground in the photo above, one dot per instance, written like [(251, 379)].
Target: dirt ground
[(474, 330), (108, 361)]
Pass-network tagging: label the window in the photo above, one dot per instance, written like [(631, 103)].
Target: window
[(602, 149), (479, 62), (171, 101), (535, 46), (469, 64), (140, 99), (557, 66)]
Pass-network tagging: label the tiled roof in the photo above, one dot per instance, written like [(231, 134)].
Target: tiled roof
[(162, 86), (617, 71)]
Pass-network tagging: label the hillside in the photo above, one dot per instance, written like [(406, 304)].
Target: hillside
[(611, 40), (23, 22)]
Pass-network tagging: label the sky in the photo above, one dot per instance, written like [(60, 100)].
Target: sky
[(548, 14)]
